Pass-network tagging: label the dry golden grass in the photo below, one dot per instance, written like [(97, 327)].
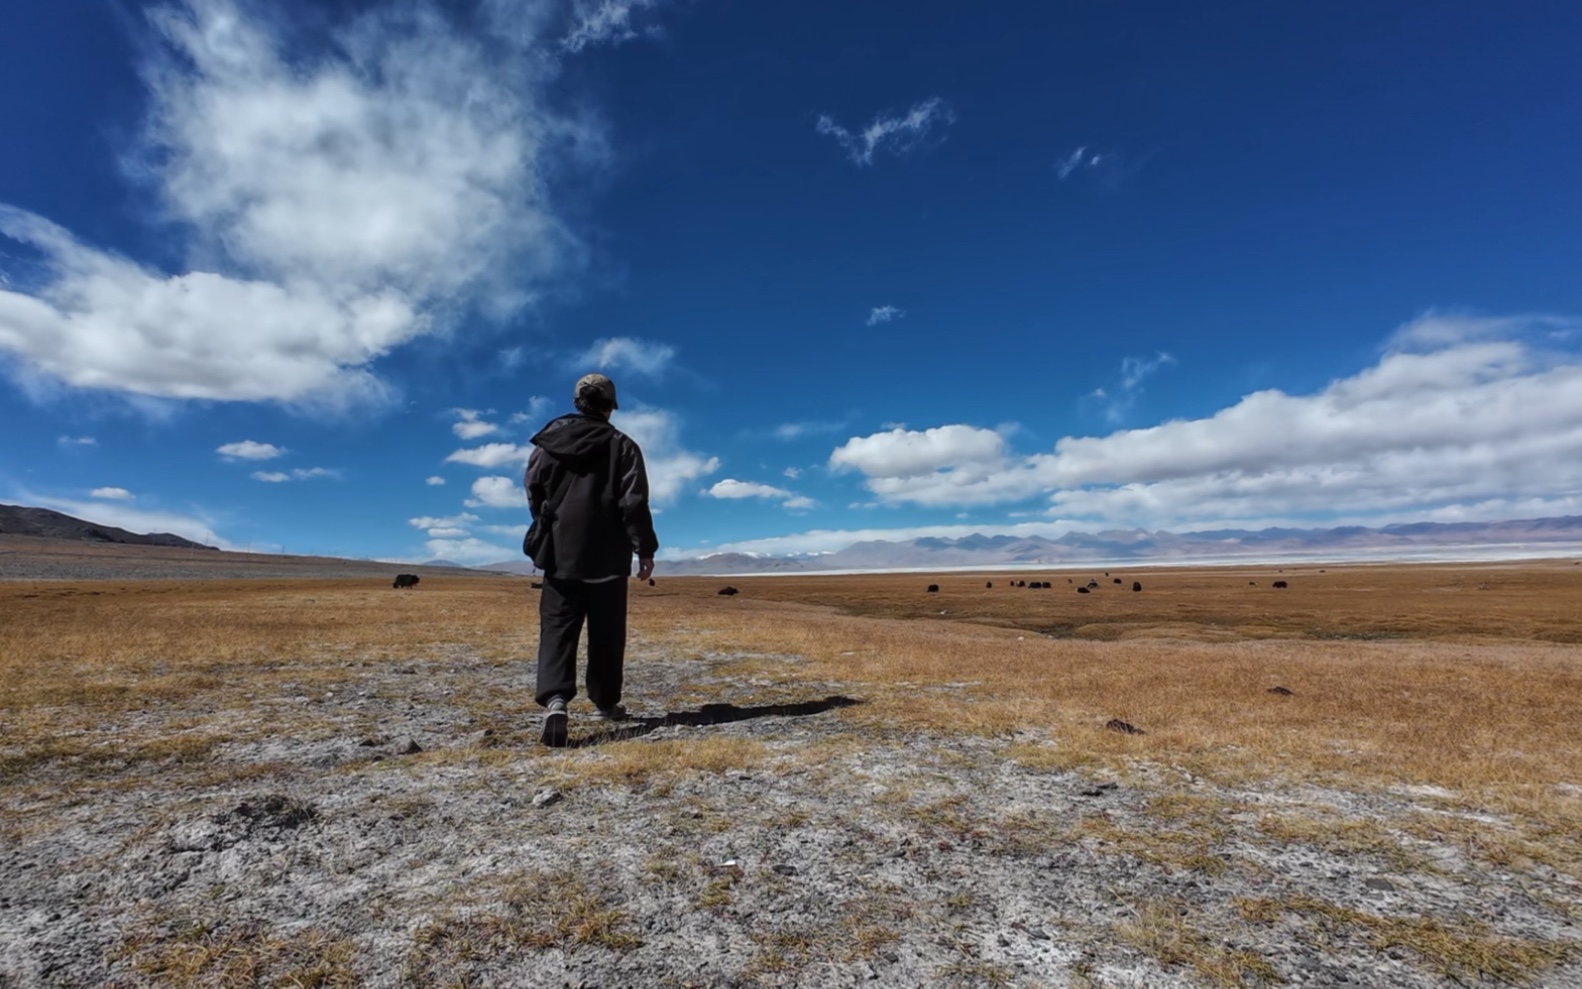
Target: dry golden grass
[(1457, 950), (1163, 930), (201, 956), (1400, 675), (1405, 679)]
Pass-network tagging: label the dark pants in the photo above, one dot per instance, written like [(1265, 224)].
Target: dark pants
[(562, 607)]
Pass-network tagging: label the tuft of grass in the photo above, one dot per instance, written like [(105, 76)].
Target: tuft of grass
[(1162, 932), (1455, 950), (644, 761), (540, 911), (197, 954)]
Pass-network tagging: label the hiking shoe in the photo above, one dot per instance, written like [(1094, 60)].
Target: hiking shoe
[(616, 713), (554, 734)]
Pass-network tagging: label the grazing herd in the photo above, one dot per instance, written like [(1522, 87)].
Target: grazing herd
[(404, 581), (1093, 585)]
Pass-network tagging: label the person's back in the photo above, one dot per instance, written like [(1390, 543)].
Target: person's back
[(593, 533), (587, 488)]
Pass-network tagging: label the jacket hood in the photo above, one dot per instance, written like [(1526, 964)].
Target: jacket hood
[(575, 439)]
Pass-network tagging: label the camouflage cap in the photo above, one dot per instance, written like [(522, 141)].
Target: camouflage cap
[(596, 384)]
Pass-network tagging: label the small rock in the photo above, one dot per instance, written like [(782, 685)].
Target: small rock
[(1379, 883), (544, 798), (407, 746), (1282, 691), (784, 869)]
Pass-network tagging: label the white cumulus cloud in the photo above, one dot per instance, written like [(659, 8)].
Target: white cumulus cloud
[(470, 425), (1456, 416), (732, 489), (671, 467), (497, 492), (460, 521), (491, 455), (251, 450), (893, 134), (434, 481), (113, 494), (468, 551), (336, 208), (908, 453)]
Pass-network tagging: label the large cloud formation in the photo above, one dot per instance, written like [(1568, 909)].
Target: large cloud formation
[(1459, 418), (333, 206)]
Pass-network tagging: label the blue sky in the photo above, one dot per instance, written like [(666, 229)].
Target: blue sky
[(306, 276)]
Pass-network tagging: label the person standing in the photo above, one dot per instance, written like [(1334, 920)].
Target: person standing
[(587, 489)]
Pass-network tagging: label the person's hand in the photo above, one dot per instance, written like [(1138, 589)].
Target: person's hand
[(645, 567)]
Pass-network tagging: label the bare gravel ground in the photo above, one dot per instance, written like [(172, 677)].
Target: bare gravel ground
[(405, 828)]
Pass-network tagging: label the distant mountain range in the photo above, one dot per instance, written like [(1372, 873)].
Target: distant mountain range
[(1527, 537), (18, 520)]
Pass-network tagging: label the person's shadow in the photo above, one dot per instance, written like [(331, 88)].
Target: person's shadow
[(709, 714)]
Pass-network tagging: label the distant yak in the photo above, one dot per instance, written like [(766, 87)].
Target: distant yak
[(1117, 580), (1083, 590), (1281, 584), (1136, 586), (729, 591), (933, 588), (404, 580), (650, 582), (988, 583)]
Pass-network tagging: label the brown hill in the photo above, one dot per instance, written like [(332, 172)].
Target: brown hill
[(19, 520)]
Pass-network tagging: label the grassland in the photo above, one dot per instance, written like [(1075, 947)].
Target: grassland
[(833, 779)]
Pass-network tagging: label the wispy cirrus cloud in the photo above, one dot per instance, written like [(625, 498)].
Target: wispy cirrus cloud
[(807, 427), (1119, 400), (644, 357), (111, 494), (884, 314), (889, 134), (606, 22), (77, 441), (298, 474), (342, 206), (1108, 168), (538, 409)]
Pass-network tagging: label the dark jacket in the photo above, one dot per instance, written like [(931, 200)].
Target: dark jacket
[(604, 518)]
